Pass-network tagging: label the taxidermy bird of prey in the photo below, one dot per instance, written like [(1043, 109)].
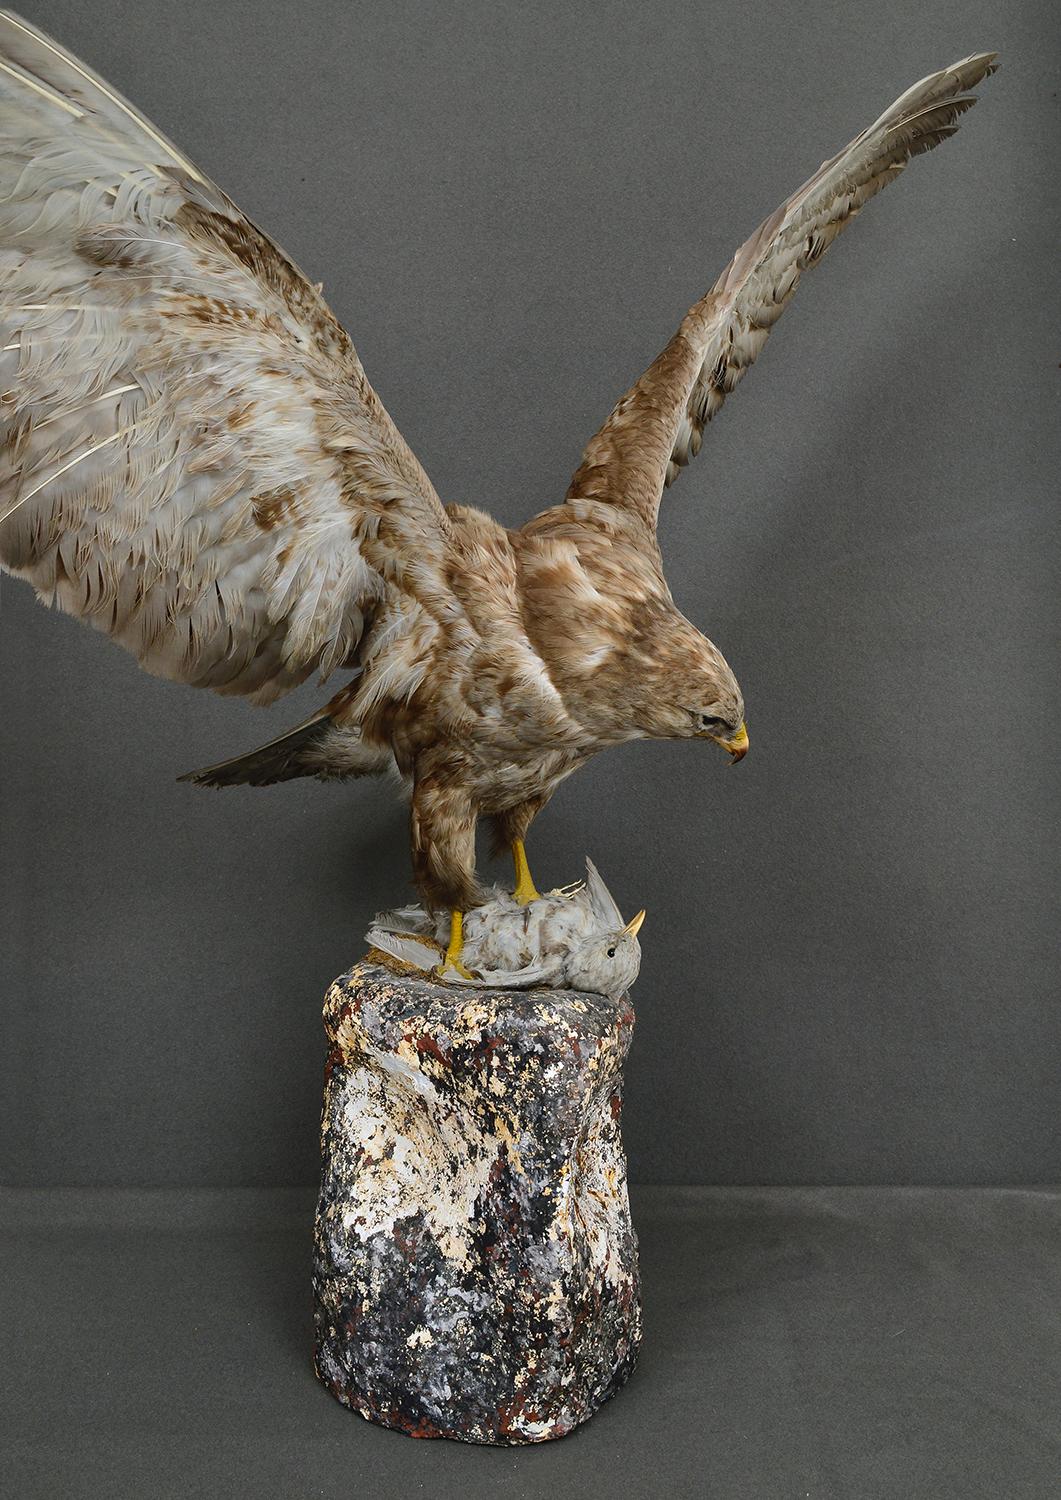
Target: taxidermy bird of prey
[(194, 462)]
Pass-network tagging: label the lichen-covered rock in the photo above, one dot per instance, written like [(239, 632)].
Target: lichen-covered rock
[(475, 1268)]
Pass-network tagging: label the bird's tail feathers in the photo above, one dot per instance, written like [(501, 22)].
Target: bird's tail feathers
[(298, 752)]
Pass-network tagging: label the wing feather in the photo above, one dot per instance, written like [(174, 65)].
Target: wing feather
[(657, 427), (191, 456)]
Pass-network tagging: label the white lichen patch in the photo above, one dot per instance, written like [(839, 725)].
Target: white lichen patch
[(419, 1155)]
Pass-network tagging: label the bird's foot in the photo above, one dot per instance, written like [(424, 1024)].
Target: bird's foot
[(525, 891), (451, 962)]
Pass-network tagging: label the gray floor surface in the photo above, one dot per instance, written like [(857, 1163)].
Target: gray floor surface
[(803, 1344)]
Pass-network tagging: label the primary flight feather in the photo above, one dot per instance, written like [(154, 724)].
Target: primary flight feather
[(194, 462)]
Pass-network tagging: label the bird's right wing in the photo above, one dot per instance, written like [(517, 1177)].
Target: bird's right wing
[(657, 426), (191, 456)]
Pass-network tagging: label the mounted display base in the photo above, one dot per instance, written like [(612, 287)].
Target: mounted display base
[(475, 1266)]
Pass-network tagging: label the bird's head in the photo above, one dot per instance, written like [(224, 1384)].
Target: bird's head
[(607, 959), (608, 962), (690, 692)]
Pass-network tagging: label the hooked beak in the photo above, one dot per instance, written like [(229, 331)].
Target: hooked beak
[(737, 744), (633, 927)]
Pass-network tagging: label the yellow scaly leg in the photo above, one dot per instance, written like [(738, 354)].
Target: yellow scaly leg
[(452, 959), (526, 890)]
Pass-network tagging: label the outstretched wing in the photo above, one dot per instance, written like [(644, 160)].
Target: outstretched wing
[(658, 425), (191, 457)]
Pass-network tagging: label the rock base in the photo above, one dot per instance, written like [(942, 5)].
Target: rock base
[(475, 1265)]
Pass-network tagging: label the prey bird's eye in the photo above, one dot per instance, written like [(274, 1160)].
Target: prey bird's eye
[(611, 952)]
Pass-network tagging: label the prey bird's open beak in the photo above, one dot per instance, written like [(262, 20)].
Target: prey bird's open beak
[(737, 744), (633, 927)]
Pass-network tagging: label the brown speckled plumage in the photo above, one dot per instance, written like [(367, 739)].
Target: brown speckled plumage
[(192, 460)]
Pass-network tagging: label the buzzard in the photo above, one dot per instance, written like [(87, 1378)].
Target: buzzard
[(194, 462)]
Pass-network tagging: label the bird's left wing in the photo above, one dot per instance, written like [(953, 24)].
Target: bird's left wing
[(657, 426), (191, 456)]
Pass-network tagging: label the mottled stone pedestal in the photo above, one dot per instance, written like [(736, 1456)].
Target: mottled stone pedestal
[(476, 1268)]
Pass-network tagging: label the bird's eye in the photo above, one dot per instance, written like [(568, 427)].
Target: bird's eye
[(611, 952), (715, 726)]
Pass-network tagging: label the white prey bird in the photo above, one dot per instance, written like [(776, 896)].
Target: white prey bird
[(571, 939)]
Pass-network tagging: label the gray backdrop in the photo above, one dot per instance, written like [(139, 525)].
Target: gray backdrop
[(850, 961)]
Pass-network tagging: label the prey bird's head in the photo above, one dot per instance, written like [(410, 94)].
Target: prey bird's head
[(690, 692), (607, 963)]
